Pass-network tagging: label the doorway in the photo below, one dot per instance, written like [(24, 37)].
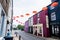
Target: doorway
[(55, 30)]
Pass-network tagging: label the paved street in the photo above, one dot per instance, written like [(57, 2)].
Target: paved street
[(27, 36)]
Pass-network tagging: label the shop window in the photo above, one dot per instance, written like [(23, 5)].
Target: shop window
[(52, 29), (40, 30), (53, 16), (47, 24), (38, 20)]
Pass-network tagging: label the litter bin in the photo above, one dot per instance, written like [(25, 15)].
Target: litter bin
[(8, 38)]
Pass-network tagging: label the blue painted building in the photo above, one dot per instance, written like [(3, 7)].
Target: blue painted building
[(54, 20)]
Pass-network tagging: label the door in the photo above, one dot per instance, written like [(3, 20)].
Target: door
[(55, 30)]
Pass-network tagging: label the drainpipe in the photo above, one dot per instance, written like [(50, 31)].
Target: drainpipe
[(11, 15)]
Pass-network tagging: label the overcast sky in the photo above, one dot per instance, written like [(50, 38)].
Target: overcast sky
[(27, 6)]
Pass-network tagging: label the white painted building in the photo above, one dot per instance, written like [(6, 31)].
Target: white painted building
[(4, 16), (31, 24), (3, 21), (9, 14), (30, 21)]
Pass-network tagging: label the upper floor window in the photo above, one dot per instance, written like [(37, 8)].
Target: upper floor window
[(38, 15), (53, 16), (38, 20)]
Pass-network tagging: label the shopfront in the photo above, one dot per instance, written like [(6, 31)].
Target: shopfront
[(54, 20), (55, 30), (38, 29)]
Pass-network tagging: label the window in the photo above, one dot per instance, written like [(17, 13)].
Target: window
[(52, 29), (38, 20), (38, 15), (53, 16), (47, 24), (40, 30)]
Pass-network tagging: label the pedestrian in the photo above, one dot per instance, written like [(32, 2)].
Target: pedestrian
[(16, 33), (8, 33)]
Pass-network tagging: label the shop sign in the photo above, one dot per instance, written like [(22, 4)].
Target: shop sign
[(53, 16)]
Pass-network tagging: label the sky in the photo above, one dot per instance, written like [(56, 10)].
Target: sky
[(21, 7)]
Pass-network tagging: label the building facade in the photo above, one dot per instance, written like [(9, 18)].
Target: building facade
[(54, 0), (4, 7), (54, 20), (26, 27), (31, 24), (44, 22), (34, 23)]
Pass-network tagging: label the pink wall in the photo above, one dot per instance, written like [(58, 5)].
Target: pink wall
[(34, 19), (43, 21)]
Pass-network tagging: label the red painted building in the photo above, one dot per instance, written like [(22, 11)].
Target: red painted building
[(34, 23), (43, 15), (40, 24)]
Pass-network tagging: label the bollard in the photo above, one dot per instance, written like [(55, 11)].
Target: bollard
[(19, 37)]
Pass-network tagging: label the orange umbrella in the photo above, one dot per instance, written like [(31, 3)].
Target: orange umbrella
[(35, 12), (44, 8), (54, 4), (17, 16), (21, 15), (27, 14), (17, 20)]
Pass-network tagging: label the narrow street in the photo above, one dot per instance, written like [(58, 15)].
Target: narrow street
[(29, 19), (27, 36)]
